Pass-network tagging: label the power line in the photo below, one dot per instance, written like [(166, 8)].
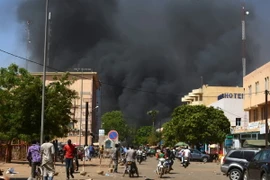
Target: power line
[(105, 83)]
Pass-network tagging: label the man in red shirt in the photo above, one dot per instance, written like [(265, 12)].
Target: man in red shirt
[(69, 151)]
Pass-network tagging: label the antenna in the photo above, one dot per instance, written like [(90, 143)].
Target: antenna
[(244, 13)]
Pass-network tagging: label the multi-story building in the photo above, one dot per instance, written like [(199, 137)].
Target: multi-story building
[(207, 95), (255, 85), (86, 85), (233, 110)]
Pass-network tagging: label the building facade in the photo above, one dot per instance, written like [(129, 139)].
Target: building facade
[(86, 84), (207, 95), (233, 110), (255, 85)]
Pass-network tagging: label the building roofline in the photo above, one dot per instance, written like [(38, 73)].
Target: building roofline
[(261, 68), (95, 75)]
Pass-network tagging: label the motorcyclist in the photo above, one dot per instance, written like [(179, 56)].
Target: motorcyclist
[(187, 154), (130, 156), (139, 153)]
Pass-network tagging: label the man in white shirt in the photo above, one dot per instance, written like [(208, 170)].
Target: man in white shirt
[(47, 154), (130, 156)]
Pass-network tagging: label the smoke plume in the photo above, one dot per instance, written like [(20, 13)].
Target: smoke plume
[(161, 47)]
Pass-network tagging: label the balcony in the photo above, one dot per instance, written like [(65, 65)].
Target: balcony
[(197, 91), (196, 103)]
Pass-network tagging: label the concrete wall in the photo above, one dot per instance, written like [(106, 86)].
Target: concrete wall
[(233, 108), (253, 98), (85, 85)]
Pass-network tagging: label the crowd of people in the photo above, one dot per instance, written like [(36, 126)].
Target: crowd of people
[(44, 156)]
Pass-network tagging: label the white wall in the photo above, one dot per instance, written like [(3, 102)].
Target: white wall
[(232, 108)]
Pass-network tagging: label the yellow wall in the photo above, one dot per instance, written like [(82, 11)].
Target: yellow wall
[(90, 85), (209, 94), (253, 99)]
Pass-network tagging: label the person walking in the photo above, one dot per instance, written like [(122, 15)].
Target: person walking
[(47, 156), (115, 158), (69, 151), (34, 157)]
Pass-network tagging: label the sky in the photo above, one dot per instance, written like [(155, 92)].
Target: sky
[(10, 35), (14, 35), (202, 34)]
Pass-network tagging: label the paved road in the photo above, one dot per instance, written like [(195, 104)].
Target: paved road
[(196, 171)]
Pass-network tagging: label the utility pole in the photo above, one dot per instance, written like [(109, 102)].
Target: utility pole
[(81, 98), (266, 118), (86, 124), (44, 71)]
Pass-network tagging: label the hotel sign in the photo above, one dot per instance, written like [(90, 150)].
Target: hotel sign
[(231, 96)]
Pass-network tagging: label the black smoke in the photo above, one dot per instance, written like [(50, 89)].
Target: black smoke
[(162, 47)]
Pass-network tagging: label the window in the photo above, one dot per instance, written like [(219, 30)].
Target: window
[(265, 155), (250, 90), (236, 154), (257, 156), (255, 115), (257, 87), (262, 113), (266, 80), (248, 155), (237, 121)]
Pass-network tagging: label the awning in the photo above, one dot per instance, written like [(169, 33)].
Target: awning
[(254, 143), (181, 144)]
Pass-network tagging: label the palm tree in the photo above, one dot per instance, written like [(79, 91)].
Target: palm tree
[(153, 114)]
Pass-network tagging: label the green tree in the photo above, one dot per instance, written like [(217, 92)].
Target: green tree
[(20, 106), (114, 120), (143, 134), (196, 124), (153, 114)]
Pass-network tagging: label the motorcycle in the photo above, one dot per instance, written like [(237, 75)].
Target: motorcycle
[(139, 159), (144, 157), (131, 169), (61, 156), (186, 162), (163, 167)]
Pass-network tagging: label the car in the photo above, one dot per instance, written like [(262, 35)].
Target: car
[(235, 161), (197, 155), (259, 167)]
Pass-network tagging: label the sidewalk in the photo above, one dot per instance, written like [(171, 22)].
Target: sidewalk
[(92, 168)]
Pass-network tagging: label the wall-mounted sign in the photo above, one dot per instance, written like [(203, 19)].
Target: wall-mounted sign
[(231, 96)]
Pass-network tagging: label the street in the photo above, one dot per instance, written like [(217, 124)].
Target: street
[(195, 171)]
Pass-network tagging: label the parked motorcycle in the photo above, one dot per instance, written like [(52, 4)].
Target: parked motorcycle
[(61, 156), (163, 167)]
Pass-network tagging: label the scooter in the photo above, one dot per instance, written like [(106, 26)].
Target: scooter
[(163, 167)]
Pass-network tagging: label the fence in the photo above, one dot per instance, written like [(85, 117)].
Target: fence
[(18, 152)]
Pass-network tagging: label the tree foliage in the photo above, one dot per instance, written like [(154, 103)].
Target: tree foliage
[(143, 135), (20, 105), (153, 114), (114, 120), (196, 124)]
